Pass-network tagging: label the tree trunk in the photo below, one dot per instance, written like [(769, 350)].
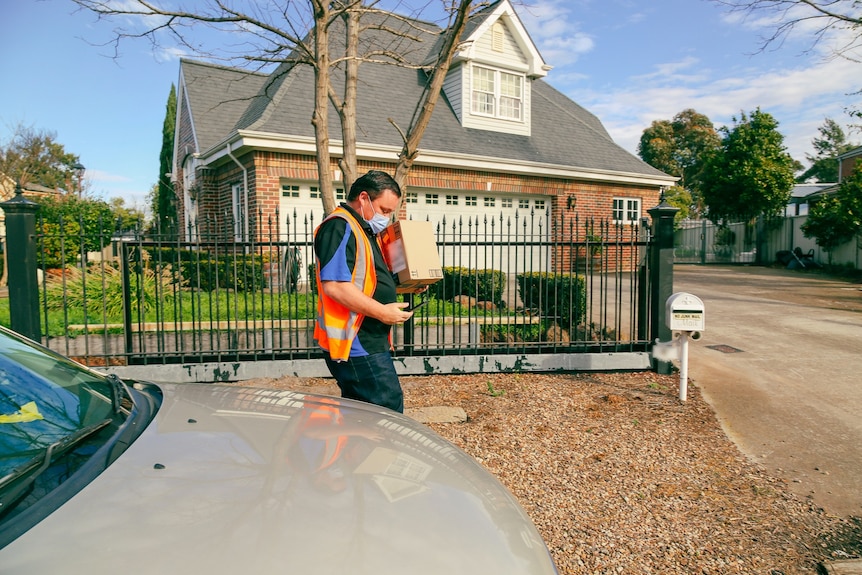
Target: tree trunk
[(347, 110), (410, 150), (320, 117)]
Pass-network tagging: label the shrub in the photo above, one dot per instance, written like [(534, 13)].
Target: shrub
[(206, 272), (65, 288), (484, 285), (557, 297)]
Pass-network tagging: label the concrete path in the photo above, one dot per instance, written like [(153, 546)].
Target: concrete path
[(781, 364)]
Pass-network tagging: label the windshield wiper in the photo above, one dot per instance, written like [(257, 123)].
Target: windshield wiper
[(16, 483), (118, 390)]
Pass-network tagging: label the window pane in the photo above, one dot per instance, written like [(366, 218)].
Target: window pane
[(510, 108), (483, 79), (510, 96), (483, 90), (510, 85)]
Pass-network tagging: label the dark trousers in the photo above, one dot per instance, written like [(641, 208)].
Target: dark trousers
[(371, 378)]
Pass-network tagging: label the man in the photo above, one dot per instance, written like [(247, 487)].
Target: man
[(357, 304)]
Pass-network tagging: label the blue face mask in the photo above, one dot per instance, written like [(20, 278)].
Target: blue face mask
[(378, 222)]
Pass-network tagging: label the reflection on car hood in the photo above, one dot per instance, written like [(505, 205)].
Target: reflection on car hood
[(242, 480)]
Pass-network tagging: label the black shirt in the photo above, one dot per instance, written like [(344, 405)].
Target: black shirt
[(336, 258)]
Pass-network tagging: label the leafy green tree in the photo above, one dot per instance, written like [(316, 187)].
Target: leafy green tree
[(164, 200), (679, 197), (751, 174), (828, 224), (72, 227), (35, 157), (835, 219), (125, 218), (677, 147), (657, 147), (831, 144)]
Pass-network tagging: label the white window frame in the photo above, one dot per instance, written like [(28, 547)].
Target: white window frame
[(497, 93), (626, 211)]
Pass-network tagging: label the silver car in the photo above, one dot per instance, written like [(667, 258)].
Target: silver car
[(99, 475)]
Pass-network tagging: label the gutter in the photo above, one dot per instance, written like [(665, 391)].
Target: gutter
[(229, 153)]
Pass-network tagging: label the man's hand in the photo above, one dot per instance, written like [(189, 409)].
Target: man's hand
[(352, 298)]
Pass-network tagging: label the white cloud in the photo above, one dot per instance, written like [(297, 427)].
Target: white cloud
[(799, 99)]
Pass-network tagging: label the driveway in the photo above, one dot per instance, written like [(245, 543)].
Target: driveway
[(781, 364)]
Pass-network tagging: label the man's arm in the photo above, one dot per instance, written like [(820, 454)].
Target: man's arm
[(352, 298)]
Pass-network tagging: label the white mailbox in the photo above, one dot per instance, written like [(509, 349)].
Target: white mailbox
[(685, 312)]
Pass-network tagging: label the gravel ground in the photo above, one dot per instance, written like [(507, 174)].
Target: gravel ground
[(621, 477)]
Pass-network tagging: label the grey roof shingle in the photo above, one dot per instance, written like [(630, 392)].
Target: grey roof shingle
[(563, 133), (217, 97)]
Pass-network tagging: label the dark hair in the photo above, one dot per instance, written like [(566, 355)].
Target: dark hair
[(374, 182)]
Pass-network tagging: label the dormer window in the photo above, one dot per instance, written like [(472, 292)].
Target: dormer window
[(497, 93)]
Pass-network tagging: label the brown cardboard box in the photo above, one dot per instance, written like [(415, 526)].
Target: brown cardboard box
[(411, 251)]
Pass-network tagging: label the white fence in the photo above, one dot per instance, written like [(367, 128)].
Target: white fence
[(701, 241)]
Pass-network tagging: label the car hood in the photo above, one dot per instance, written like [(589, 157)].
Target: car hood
[(233, 480)]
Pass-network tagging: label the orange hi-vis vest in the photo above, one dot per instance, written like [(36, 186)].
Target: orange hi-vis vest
[(337, 326), (322, 421)]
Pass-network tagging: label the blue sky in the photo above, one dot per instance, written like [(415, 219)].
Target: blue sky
[(628, 62)]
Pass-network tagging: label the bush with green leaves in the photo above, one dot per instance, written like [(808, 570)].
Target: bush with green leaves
[(484, 284), (835, 219), (206, 272), (559, 298), (99, 290)]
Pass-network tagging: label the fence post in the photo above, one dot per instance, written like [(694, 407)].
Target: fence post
[(661, 274), (21, 262)]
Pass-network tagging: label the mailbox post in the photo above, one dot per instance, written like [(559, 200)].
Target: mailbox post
[(685, 316)]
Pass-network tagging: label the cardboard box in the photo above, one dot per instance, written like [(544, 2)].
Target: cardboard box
[(411, 251)]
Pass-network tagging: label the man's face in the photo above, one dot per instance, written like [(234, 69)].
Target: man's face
[(385, 204)]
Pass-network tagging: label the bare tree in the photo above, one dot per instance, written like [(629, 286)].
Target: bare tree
[(298, 32), (819, 18)]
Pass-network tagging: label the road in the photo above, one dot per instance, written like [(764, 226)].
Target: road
[(781, 364)]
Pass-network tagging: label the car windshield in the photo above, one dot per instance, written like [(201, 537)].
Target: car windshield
[(51, 409)]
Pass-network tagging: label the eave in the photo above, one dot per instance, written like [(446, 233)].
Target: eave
[(244, 140)]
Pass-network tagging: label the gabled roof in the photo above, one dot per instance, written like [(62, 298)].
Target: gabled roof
[(230, 105), (801, 193), (216, 97), (482, 20), (850, 153)]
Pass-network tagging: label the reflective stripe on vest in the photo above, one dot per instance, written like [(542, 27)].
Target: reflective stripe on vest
[(337, 326)]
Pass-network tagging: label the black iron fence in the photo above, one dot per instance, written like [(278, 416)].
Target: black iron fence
[(522, 285)]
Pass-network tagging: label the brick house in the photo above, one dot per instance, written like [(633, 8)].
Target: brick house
[(502, 140), (848, 161)]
